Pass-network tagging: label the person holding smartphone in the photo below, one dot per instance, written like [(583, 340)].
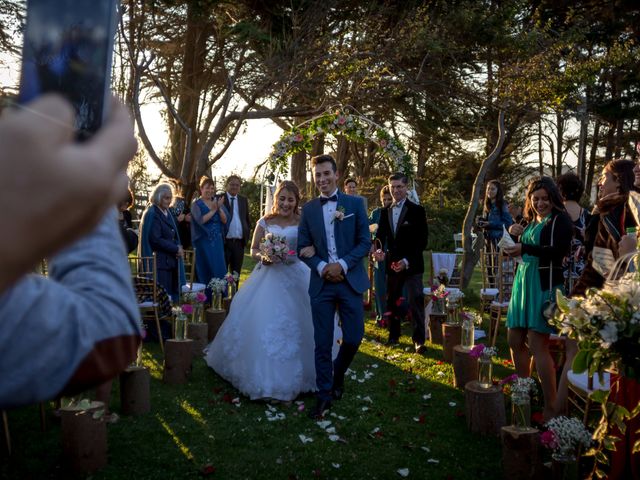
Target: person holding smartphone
[(496, 214), (208, 219)]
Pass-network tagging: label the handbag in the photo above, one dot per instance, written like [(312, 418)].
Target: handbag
[(550, 306)]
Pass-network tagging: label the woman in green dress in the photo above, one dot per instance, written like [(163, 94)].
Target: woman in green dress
[(543, 244)]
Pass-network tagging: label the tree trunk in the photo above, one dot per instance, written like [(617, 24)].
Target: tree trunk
[(470, 257), (84, 438), (521, 455), (559, 143), (593, 155), (540, 149), (299, 170), (177, 361), (465, 367), (342, 159), (135, 391), (485, 409)]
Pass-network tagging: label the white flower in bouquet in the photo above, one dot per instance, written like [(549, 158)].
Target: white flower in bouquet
[(275, 248), (522, 389), (481, 350), (565, 435), (217, 285)]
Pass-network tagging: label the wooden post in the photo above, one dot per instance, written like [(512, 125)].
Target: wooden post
[(198, 332), (465, 367), (485, 409), (177, 361), (135, 391), (435, 327), (214, 320), (521, 456), (226, 304), (84, 437), (451, 336)]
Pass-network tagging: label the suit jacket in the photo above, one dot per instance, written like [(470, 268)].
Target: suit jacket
[(410, 238), (241, 209), (351, 235)]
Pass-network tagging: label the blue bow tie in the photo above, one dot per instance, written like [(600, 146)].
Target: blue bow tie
[(332, 198)]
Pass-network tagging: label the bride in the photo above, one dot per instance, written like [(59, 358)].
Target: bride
[(265, 347)]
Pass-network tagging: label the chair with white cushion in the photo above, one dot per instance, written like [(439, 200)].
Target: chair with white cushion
[(500, 306), (189, 271)]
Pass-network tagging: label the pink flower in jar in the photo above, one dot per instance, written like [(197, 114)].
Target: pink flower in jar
[(200, 297), (187, 309)]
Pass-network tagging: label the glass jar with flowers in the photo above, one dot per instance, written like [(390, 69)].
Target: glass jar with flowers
[(180, 320), (454, 301), (469, 321), (565, 436), (218, 287), (485, 356), (232, 283), (196, 301), (438, 296), (521, 391)]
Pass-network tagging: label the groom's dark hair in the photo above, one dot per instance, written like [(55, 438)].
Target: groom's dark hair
[(324, 159)]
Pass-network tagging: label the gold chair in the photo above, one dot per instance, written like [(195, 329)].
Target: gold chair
[(500, 306), (580, 387), (143, 271), (190, 273), (489, 267)]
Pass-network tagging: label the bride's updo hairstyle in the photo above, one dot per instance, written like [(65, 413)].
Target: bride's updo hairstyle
[(291, 187)]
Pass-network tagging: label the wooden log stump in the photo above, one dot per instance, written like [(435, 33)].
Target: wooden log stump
[(177, 361), (199, 333), (214, 320), (226, 304), (451, 336), (84, 437), (521, 455), (465, 367), (484, 408), (435, 327), (135, 391)]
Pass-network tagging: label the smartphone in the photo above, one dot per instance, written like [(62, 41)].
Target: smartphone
[(68, 47)]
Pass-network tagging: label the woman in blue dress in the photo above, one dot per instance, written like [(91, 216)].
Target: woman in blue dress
[(379, 276), (208, 220), (543, 244)]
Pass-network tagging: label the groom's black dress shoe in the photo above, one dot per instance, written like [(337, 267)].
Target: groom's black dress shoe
[(317, 412), (337, 392)]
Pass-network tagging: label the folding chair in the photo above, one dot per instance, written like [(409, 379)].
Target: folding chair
[(190, 273), (143, 270), (500, 306), (580, 387), (457, 243)]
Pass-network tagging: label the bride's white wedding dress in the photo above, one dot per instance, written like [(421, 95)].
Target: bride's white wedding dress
[(265, 346)]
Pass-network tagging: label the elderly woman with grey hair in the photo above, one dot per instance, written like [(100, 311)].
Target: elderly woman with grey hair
[(159, 235)]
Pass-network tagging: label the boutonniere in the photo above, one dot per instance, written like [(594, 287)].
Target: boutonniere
[(339, 214)]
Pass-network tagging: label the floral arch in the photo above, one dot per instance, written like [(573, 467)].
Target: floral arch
[(342, 122)]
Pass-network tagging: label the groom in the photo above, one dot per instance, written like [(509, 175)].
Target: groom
[(336, 225)]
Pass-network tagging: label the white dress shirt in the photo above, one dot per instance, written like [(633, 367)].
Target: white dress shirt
[(328, 212), (235, 226)]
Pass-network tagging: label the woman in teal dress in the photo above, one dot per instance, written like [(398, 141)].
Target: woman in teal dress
[(208, 219), (543, 244), (379, 276)]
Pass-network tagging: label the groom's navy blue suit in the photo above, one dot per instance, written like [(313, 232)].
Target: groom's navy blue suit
[(352, 242)]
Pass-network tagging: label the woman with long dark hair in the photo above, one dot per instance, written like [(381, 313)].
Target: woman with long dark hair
[(496, 215), (543, 244)]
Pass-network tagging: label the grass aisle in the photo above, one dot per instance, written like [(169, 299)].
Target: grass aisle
[(400, 411)]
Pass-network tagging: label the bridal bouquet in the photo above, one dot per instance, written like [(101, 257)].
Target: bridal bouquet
[(275, 248), (606, 323)]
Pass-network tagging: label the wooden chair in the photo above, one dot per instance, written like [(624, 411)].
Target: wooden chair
[(456, 275), (143, 270), (500, 306), (489, 267), (580, 387), (190, 273)]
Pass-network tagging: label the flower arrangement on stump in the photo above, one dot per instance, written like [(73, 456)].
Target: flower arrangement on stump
[(232, 283), (565, 437), (218, 288), (192, 305), (485, 356), (180, 321), (454, 300), (469, 322), (522, 388), (439, 294)]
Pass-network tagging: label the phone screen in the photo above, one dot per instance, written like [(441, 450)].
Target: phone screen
[(67, 49)]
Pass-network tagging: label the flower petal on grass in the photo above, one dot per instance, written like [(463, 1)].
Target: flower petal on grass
[(452, 404), (305, 439), (403, 472), (331, 430), (335, 465), (334, 438), (427, 396), (323, 423), (433, 460)]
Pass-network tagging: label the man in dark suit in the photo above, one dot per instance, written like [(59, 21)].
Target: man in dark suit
[(238, 224), (403, 229)]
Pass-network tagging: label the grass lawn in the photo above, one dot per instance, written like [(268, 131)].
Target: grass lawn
[(400, 411)]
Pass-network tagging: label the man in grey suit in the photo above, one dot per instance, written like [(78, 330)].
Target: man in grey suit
[(238, 224)]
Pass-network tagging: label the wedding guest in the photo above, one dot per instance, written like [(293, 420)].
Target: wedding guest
[(125, 221), (543, 244), (379, 275), (614, 217), (515, 210), (38, 151), (403, 231), (159, 235), (208, 218), (182, 216), (496, 215), (351, 188), (238, 226), (571, 188)]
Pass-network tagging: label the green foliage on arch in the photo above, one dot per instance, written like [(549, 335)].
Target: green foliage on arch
[(354, 127)]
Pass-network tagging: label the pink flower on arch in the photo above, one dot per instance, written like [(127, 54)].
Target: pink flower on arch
[(298, 138), (383, 143), (342, 120)]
